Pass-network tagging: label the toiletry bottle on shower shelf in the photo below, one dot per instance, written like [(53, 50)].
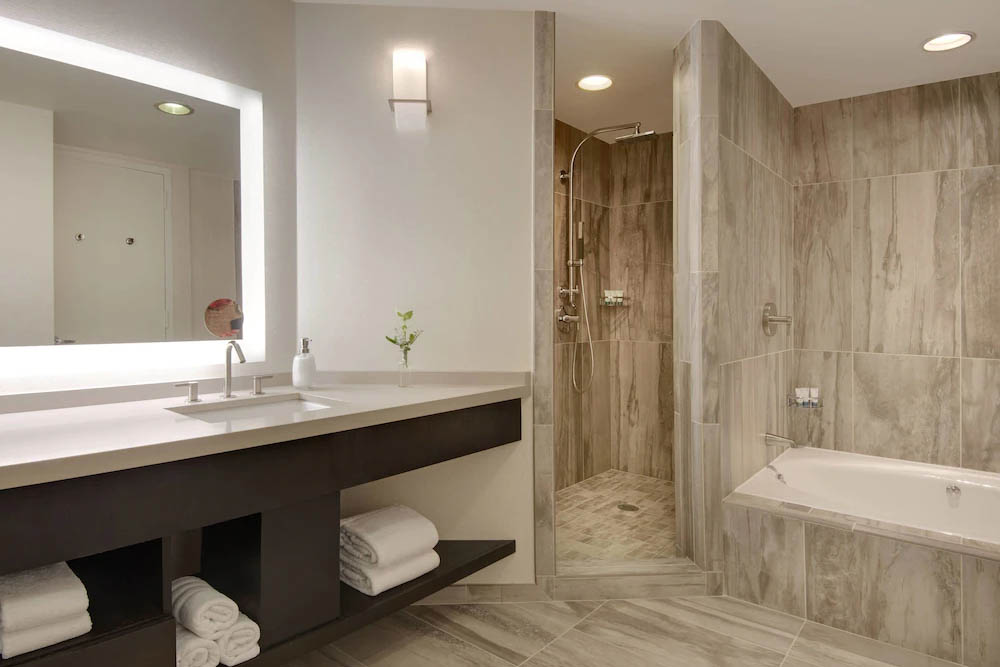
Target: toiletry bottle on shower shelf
[(304, 366)]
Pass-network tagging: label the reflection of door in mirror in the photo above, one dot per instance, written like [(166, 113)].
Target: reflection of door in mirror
[(110, 252)]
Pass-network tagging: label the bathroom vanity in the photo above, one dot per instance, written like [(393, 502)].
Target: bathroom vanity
[(118, 490)]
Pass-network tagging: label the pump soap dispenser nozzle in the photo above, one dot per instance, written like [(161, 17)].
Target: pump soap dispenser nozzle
[(303, 366)]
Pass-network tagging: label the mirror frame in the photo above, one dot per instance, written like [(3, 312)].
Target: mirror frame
[(33, 368)]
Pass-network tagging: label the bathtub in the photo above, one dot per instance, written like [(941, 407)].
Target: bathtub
[(948, 502), (900, 552)]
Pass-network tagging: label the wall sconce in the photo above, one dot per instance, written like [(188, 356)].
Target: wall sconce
[(409, 101)]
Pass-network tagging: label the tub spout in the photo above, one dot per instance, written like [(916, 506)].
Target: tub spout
[(781, 441)]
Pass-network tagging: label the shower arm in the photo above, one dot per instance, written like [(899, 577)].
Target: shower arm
[(572, 261)]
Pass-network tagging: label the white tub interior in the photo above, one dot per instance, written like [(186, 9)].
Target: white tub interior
[(899, 492)]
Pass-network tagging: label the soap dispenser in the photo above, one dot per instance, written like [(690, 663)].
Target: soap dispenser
[(304, 366)]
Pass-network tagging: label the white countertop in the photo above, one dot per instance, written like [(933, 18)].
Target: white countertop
[(50, 445)]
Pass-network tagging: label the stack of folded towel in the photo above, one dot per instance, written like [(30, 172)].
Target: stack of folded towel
[(41, 607), (210, 627), (385, 548)]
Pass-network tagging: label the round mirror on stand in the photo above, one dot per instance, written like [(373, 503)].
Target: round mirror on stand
[(224, 319)]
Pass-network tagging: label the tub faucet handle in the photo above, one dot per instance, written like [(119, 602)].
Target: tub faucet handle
[(953, 490)]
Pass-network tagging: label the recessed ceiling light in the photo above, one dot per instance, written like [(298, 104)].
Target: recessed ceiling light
[(175, 108), (948, 41), (594, 82)]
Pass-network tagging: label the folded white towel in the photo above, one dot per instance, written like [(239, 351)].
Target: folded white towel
[(387, 536), (372, 580), (201, 609), (16, 642), (195, 651), (251, 653), (238, 641), (39, 596)]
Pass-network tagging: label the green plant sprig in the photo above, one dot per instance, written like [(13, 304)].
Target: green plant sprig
[(405, 337)]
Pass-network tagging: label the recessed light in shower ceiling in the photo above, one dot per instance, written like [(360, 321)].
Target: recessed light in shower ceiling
[(174, 108), (595, 82), (948, 41)]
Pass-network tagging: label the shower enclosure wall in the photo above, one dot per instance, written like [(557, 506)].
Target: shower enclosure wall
[(623, 421)]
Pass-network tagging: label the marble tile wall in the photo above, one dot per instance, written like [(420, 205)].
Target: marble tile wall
[(931, 601), (733, 252), (544, 286), (622, 193), (896, 294)]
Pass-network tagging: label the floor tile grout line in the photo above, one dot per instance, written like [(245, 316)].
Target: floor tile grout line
[(455, 637), (564, 633), (788, 651)]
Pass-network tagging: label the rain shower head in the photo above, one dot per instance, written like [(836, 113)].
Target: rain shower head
[(635, 136)]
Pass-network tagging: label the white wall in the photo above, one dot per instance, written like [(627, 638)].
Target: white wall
[(248, 42), (26, 176), (438, 221)]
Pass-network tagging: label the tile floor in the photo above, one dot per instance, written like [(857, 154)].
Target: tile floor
[(673, 632), (590, 527)]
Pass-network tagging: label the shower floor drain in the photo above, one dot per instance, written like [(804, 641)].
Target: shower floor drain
[(627, 507)]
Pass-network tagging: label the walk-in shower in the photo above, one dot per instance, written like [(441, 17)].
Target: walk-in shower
[(574, 264)]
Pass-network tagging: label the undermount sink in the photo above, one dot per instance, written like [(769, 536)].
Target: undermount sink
[(257, 407)]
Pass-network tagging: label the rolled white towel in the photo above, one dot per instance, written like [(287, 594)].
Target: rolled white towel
[(387, 536), (253, 652), (195, 651), (17, 642), (201, 609), (372, 580), (39, 596), (238, 642)]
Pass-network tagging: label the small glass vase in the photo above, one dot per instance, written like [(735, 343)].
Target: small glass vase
[(404, 369)]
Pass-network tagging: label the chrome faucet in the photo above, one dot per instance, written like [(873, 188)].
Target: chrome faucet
[(227, 391)]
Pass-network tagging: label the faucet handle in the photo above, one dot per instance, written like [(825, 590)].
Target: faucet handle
[(192, 387), (258, 389)]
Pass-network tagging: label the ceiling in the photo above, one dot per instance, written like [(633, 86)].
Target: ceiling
[(813, 50), (103, 112)]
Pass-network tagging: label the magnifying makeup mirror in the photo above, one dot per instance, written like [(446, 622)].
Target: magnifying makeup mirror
[(224, 319)]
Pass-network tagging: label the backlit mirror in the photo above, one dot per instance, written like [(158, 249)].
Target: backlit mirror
[(121, 208)]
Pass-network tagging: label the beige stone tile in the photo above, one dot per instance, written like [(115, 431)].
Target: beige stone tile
[(981, 414), (822, 142), (906, 264), (401, 640), (772, 256), (545, 56), (332, 656), (821, 646), (902, 594), (980, 120), (981, 609), (576, 649), (627, 586), (514, 632), (543, 329), (906, 130), (673, 634), (642, 388), (764, 559), (980, 254), (822, 267), (543, 195), (736, 287), (830, 426), (907, 407), (728, 616)]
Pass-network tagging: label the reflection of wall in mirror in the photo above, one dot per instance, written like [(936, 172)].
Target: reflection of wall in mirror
[(26, 288), (199, 226)]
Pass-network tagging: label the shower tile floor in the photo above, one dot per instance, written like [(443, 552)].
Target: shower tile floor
[(591, 528)]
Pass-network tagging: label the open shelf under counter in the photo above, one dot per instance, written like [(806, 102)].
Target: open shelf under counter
[(459, 559), (126, 609)]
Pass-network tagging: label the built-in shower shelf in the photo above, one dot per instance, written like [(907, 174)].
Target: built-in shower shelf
[(793, 403), (614, 304)]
